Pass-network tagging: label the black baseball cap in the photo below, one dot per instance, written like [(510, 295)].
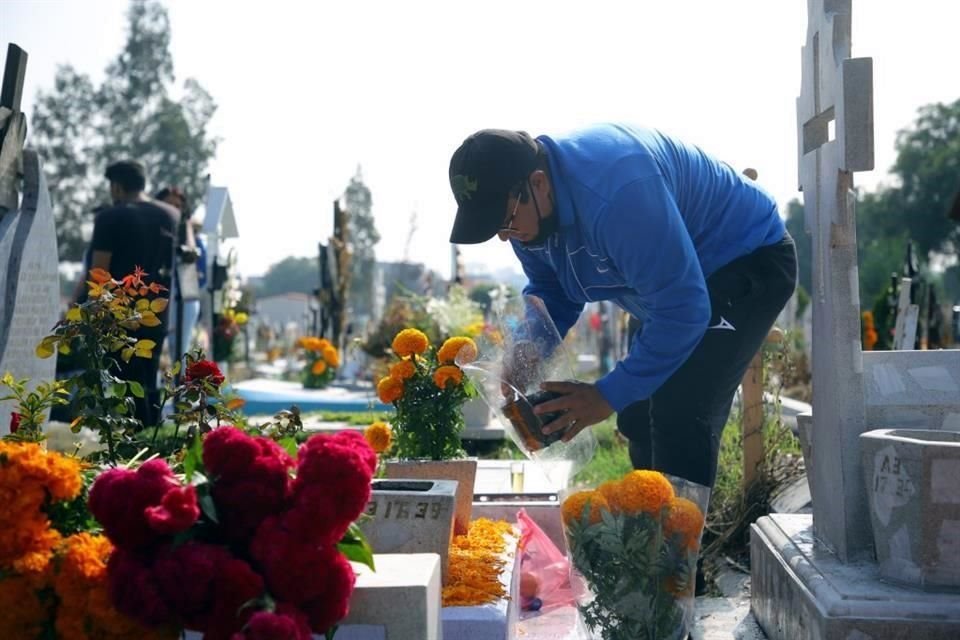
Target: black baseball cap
[(482, 171)]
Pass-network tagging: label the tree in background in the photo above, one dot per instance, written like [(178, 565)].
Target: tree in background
[(80, 128), (363, 239), (290, 275), (915, 208)]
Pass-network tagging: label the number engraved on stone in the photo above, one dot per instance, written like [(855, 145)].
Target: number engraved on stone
[(421, 511)]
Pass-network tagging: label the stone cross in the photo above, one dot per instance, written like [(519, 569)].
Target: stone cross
[(835, 129), (13, 127)]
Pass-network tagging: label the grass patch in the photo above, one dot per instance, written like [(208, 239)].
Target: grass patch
[(611, 459)]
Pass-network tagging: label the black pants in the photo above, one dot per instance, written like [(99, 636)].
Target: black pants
[(678, 429), (145, 371)]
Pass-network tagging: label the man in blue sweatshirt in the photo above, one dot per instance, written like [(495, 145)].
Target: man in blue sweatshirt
[(696, 253)]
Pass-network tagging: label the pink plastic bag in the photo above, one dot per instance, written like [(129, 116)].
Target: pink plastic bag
[(544, 570)]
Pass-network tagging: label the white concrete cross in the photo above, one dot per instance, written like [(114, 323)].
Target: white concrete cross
[(835, 135)]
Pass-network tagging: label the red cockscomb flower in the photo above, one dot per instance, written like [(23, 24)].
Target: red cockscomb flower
[(286, 623), (14, 421), (134, 590), (342, 461), (177, 512), (120, 498), (204, 370)]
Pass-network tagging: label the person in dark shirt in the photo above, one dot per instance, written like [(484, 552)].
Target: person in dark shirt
[(137, 232)]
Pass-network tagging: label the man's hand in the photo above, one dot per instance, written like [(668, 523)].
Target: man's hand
[(581, 404)]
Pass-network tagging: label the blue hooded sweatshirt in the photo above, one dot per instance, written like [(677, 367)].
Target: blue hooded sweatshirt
[(643, 219)]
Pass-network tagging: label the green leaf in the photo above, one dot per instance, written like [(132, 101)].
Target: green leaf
[(289, 445), (136, 389), (355, 547), (194, 458), (208, 507)]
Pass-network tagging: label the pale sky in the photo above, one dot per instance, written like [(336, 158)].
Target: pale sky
[(309, 90)]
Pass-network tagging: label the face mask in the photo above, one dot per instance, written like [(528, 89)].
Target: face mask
[(545, 226)]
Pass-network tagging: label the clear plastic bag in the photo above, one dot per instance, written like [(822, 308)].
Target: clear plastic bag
[(634, 543), (524, 351)]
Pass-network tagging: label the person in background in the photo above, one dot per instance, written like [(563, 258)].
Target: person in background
[(186, 281), (137, 232)]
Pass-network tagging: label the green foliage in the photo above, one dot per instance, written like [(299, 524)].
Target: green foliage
[(73, 516), (795, 224), (33, 405), (927, 172), (638, 577), (81, 128), (97, 332), (611, 458), (363, 237)]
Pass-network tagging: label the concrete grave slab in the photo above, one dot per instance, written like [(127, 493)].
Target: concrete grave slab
[(801, 591)]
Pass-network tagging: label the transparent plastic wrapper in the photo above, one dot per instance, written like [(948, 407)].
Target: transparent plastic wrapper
[(523, 351), (634, 543)]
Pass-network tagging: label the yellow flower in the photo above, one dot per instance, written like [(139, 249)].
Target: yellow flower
[(318, 367), (446, 374), (475, 329), (331, 355), (389, 389), (409, 342), (572, 508), (685, 520), (644, 492), (460, 346), (403, 370), (378, 436)]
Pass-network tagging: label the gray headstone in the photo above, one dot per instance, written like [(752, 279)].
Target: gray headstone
[(836, 95), (29, 283)]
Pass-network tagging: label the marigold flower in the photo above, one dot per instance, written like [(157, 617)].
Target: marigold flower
[(331, 355), (403, 370), (644, 491), (318, 368), (460, 347), (475, 565), (685, 520), (389, 389), (410, 342), (446, 374), (572, 509), (23, 614), (610, 490), (379, 436)]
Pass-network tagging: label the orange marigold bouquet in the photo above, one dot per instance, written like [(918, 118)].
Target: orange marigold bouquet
[(635, 543), (53, 581), (322, 360), (428, 388)]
